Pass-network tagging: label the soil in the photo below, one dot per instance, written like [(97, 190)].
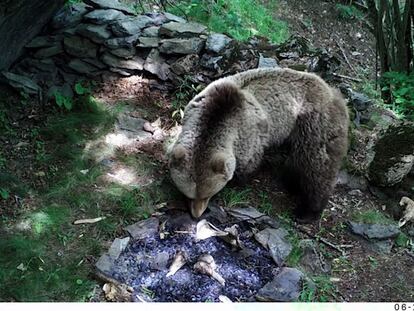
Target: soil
[(359, 272)]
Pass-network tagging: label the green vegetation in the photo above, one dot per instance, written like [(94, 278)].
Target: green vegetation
[(265, 205), (372, 216), (44, 257), (348, 12), (185, 92), (241, 19), (318, 289), (401, 86), (233, 197)]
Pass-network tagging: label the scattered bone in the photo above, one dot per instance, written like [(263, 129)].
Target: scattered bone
[(206, 230), (409, 211), (206, 265), (118, 292), (179, 261), (88, 220), (232, 237)]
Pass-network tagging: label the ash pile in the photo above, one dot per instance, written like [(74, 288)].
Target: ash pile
[(233, 255)]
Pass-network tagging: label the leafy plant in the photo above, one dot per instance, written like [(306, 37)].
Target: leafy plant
[(4, 194), (241, 19), (401, 86), (63, 101), (348, 12), (186, 91)]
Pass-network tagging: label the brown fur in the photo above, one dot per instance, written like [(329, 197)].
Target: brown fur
[(228, 126)]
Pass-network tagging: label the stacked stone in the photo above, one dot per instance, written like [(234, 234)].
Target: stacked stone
[(93, 38)]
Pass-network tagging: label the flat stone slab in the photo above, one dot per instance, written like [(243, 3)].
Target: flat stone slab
[(156, 65), (182, 46), (96, 33), (110, 4), (130, 26), (285, 287), (124, 42), (275, 240), (49, 51), (126, 53), (144, 228), (182, 30), (22, 83), (245, 213), (151, 31), (148, 42), (118, 246), (82, 67), (135, 63), (267, 62), (103, 16), (80, 47), (374, 231), (43, 41)]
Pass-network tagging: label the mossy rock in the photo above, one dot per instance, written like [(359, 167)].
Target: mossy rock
[(394, 155)]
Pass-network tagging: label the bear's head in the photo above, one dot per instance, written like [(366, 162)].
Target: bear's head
[(200, 178)]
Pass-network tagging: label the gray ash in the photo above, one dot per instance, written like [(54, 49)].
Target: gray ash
[(139, 266)]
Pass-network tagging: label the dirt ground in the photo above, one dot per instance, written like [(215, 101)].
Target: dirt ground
[(41, 167)]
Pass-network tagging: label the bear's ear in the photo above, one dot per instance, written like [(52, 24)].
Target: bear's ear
[(178, 154), (222, 163)]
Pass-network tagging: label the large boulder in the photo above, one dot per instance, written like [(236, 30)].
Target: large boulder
[(393, 155), (20, 22)]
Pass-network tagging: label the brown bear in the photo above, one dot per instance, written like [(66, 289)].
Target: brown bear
[(229, 125)]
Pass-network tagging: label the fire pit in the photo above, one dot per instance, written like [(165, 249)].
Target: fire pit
[(236, 254)]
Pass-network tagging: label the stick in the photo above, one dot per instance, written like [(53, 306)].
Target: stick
[(324, 241), (343, 53), (88, 221), (346, 77)]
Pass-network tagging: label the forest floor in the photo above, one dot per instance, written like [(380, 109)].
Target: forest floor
[(58, 167)]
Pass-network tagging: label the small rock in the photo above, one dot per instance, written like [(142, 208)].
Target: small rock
[(49, 51), (144, 229), (148, 42), (110, 4), (128, 123), (151, 31), (80, 47), (118, 246), (96, 33), (182, 46), (82, 67), (186, 64), (22, 83), (46, 65), (135, 63), (275, 240), (125, 42), (285, 287), (217, 42), (360, 101), (351, 181), (374, 231), (94, 62), (124, 52), (267, 62), (103, 16), (156, 65), (131, 26), (383, 246), (69, 16)]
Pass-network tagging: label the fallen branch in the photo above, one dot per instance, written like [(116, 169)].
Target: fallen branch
[(346, 77), (324, 241), (88, 220), (344, 55)]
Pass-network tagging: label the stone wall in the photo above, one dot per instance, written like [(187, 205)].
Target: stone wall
[(101, 37), (20, 21)]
